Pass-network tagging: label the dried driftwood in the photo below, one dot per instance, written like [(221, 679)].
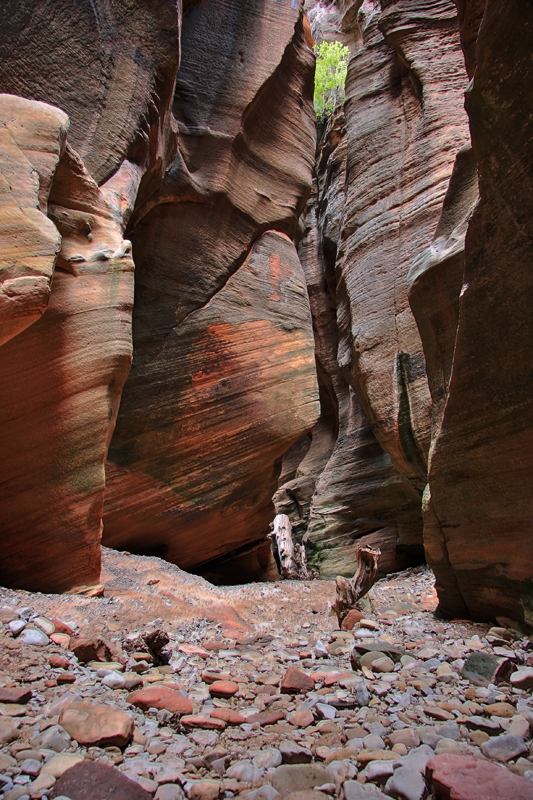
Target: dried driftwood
[(293, 560), (351, 590)]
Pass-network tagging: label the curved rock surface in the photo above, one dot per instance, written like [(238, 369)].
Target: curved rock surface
[(221, 324), (480, 500), (337, 484), (60, 391), (32, 139), (241, 373)]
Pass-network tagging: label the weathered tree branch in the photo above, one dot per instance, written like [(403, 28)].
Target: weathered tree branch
[(350, 591), (293, 560)]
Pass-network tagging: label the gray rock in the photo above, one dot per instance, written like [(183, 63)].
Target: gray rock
[(30, 766), (54, 738), (358, 791), (450, 730), (485, 724), (418, 757), (246, 772), (114, 680), (326, 711), (9, 730), (373, 742), (293, 753), (406, 783), (5, 783), (16, 626), (268, 758), (505, 747), (379, 770), (266, 792), (522, 679), (362, 695), (300, 777), (482, 668), (34, 637), (343, 770), (428, 736)]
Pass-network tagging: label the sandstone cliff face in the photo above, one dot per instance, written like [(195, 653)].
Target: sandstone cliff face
[(338, 485), (221, 325), (224, 377), (478, 506), (381, 180), (62, 378)]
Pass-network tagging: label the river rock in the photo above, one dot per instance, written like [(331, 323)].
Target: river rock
[(468, 778), (99, 725), (90, 779)]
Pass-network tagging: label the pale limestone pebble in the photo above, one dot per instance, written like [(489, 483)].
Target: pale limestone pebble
[(268, 758), (246, 772), (522, 678), (519, 726), (378, 770), (406, 783), (202, 790), (170, 792), (31, 766), (32, 636), (16, 626), (342, 770), (504, 748), (58, 764), (357, 791), (44, 625)]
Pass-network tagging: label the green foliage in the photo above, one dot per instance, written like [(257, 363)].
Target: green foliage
[(330, 76)]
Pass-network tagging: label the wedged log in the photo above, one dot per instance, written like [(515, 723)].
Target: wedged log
[(191, 476), (293, 562), (32, 139), (350, 591), (60, 389)]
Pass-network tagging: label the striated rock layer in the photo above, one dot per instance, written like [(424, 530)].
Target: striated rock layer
[(223, 376), (241, 372), (110, 67), (382, 176), (479, 504), (337, 484), (60, 388)]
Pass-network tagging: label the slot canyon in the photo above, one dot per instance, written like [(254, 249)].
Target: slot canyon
[(219, 305)]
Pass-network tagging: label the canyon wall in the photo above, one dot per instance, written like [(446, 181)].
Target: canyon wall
[(478, 507), (205, 171), (381, 177), (417, 255), (206, 316)]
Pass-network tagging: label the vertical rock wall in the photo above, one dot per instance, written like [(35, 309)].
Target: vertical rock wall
[(382, 175), (223, 377), (479, 503)]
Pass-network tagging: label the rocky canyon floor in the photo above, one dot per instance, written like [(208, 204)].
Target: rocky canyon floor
[(169, 687)]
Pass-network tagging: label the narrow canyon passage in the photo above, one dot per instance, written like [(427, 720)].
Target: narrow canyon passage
[(263, 260)]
